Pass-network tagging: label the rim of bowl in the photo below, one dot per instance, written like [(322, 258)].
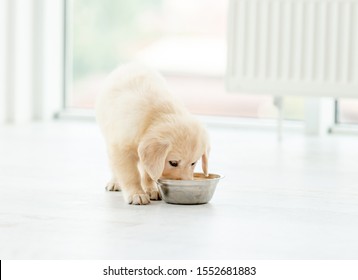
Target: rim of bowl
[(202, 178)]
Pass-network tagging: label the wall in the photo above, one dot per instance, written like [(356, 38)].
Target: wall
[(31, 37)]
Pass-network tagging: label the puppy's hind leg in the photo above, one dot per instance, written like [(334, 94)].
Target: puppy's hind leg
[(150, 187), (124, 166)]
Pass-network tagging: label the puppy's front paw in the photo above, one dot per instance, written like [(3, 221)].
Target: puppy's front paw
[(154, 195), (138, 199), (112, 186), (150, 188)]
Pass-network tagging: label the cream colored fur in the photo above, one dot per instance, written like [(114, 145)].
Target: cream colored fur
[(144, 128)]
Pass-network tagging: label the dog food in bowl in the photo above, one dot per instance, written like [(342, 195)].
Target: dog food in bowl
[(197, 191)]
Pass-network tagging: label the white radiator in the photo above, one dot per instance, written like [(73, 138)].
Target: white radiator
[(293, 47)]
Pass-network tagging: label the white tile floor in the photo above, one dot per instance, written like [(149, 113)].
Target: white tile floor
[(292, 200)]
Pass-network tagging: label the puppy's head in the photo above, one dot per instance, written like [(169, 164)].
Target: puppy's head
[(172, 149)]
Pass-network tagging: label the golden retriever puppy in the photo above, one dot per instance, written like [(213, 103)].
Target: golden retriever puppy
[(148, 133)]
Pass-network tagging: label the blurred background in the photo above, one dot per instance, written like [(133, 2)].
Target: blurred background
[(61, 50)]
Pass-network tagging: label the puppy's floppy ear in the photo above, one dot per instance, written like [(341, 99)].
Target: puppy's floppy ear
[(152, 154), (204, 162)]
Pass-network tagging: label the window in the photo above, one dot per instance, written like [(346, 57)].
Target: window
[(185, 40), (347, 111)]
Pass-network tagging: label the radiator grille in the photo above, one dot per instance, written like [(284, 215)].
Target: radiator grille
[(293, 47)]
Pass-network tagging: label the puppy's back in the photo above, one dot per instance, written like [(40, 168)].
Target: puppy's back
[(133, 96)]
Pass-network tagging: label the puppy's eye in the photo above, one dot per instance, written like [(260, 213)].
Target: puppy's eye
[(193, 163), (173, 163)]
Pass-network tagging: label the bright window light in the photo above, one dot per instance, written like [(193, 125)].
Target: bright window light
[(185, 40)]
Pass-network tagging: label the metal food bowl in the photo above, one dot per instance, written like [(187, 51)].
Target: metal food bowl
[(197, 191)]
